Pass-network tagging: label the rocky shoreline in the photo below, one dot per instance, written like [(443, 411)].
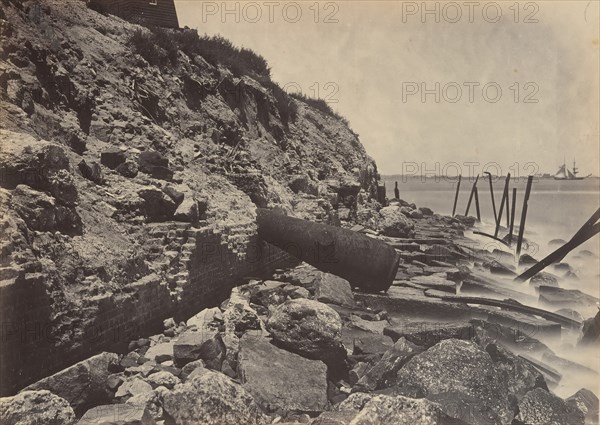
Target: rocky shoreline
[(133, 162), (303, 347)]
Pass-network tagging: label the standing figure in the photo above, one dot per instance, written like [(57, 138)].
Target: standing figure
[(396, 192)]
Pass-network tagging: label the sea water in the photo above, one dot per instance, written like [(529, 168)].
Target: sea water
[(556, 210)]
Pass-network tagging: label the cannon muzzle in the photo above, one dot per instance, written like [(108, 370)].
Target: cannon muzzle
[(366, 263)]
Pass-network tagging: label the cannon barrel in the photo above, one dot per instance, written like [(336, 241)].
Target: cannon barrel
[(365, 262)]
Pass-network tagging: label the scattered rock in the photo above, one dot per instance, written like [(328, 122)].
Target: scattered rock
[(205, 318), (545, 279), (557, 242), (527, 259), (36, 408), (174, 194), (43, 213), (587, 402), (383, 373), (212, 398), (83, 384), (164, 379), (370, 343), (426, 211), (160, 352), (427, 334), (278, 379), (132, 386), (188, 211), (373, 326), (394, 223), (91, 171), (309, 328), (190, 367), (500, 269), (153, 163), (112, 158), (398, 410), (199, 345), (566, 298), (127, 169), (334, 290), (122, 414), (157, 206), (239, 317), (539, 406)]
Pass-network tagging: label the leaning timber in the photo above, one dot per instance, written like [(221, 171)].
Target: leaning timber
[(367, 263), (508, 305), (587, 231)]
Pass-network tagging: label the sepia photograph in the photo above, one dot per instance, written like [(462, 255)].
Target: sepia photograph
[(346, 212)]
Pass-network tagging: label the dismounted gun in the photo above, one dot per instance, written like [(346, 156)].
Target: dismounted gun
[(366, 263)]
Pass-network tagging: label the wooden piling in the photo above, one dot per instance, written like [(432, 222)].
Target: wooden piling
[(512, 215), (523, 216), (477, 205), (502, 201), (456, 196), (492, 194), (471, 195)]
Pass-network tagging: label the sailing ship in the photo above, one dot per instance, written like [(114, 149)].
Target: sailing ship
[(564, 173)]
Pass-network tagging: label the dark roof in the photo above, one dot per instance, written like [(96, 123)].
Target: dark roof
[(161, 13)]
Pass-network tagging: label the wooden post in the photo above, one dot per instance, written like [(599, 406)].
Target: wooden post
[(586, 231), (512, 215), (502, 201), (471, 195), (523, 216), (477, 205), (456, 196), (492, 194), (507, 215)]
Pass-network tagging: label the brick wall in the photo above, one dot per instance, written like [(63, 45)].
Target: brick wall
[(201, 267)]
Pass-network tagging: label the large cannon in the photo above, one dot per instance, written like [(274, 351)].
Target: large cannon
[(366, 263)]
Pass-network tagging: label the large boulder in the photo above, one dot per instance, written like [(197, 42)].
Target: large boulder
[(158, 206), (121, 414), (587, 402), (393, 223), (373, 409), (34, 408), (539, 407), (520, 376), (278, 379), (203, 345), (334, 290), (84, 384), (309, 328), (43, 213), (239, 317), (459, 375), (38, 164), (153, 163), (211, 398)]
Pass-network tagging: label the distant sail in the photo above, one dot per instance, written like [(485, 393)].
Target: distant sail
[(561, 174), (564, 173)]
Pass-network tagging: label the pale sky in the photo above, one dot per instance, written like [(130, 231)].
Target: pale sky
[(378, 56)]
